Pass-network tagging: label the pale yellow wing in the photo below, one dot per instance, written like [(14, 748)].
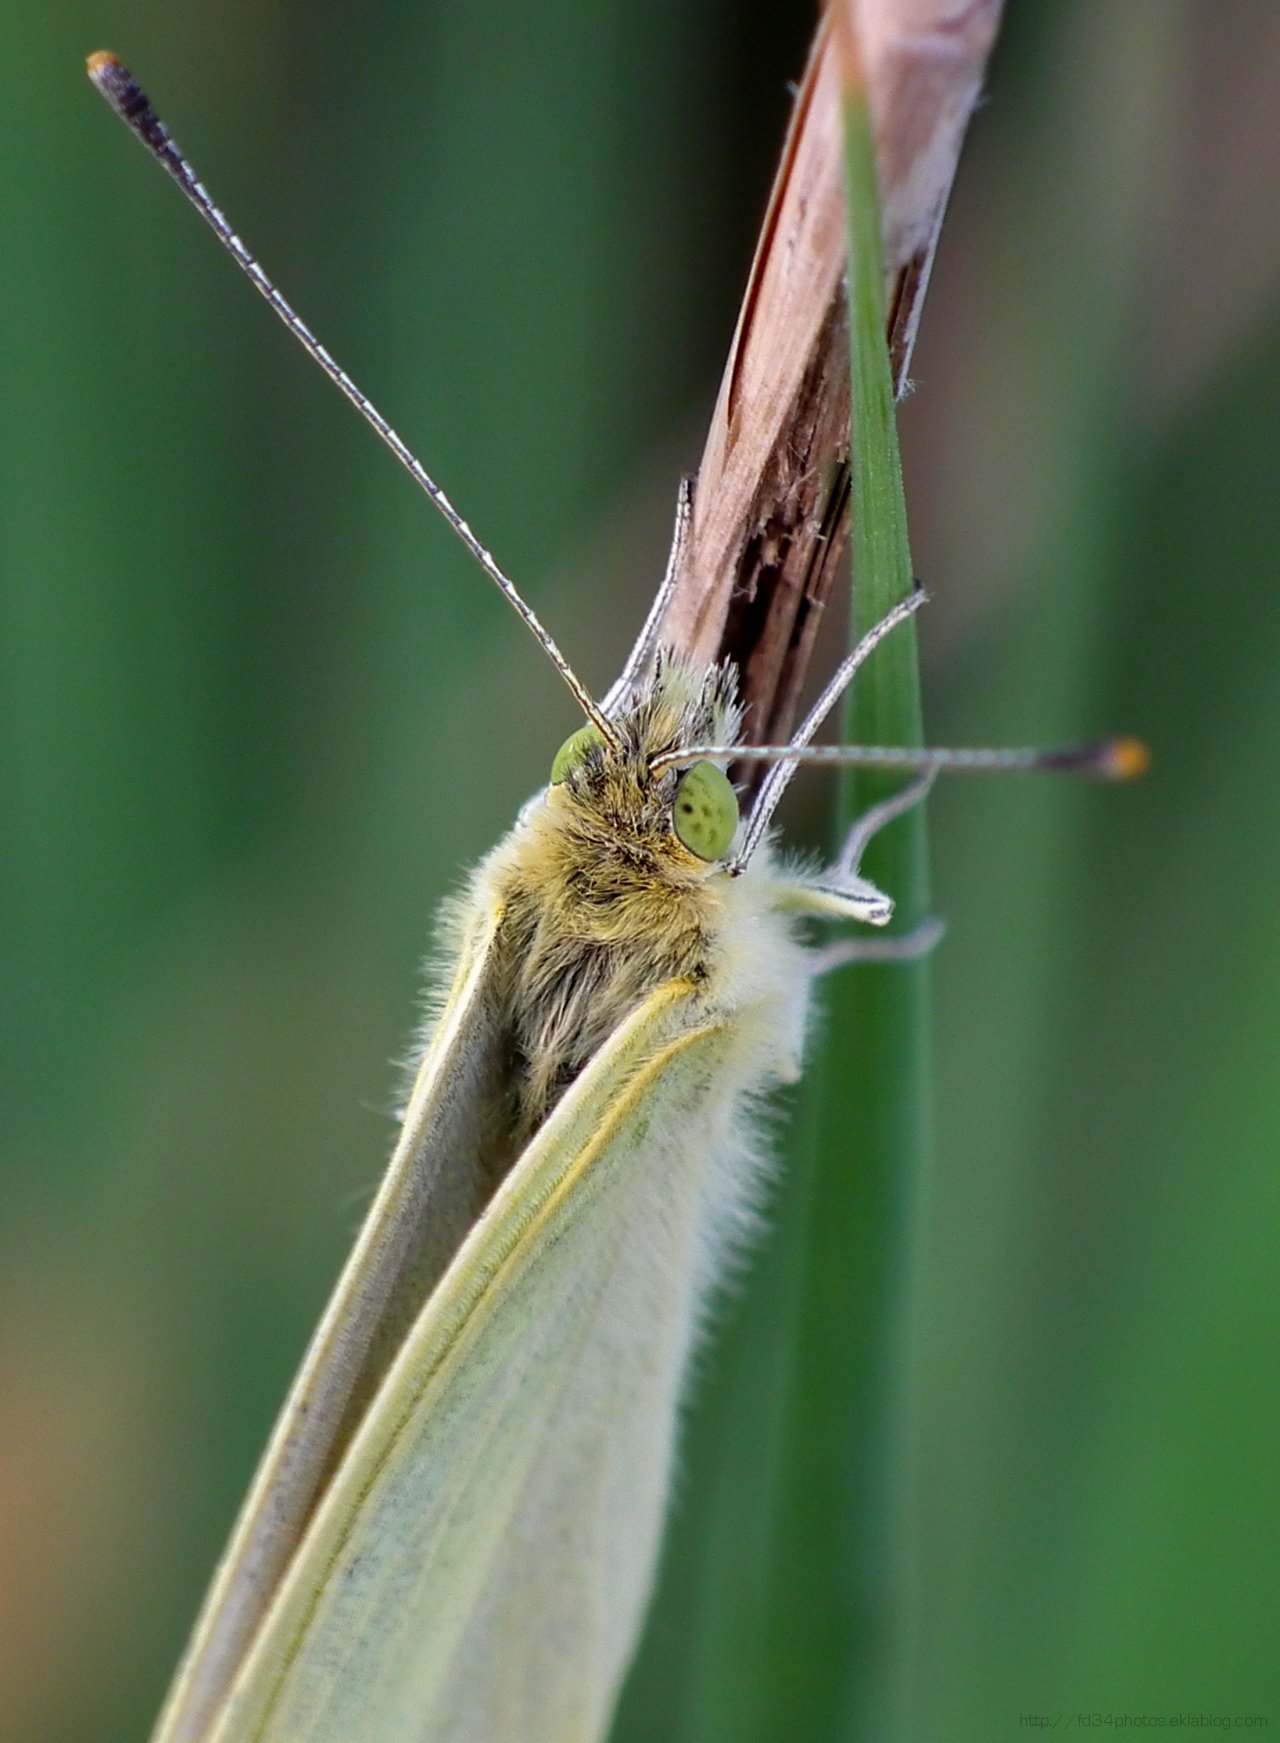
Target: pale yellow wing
[(428, 1199), (478, 1567)]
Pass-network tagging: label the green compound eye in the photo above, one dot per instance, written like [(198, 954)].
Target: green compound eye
[(705, 812), (573, 751)]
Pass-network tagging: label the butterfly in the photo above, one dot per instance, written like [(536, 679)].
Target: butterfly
[(454, 1529)]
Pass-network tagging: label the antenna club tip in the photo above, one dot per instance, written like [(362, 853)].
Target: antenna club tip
[(113, 80), (1128, 759), (103, 63)]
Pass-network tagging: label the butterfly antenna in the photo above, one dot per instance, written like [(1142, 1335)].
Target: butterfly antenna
[(132, 105), (778, 779), (1105, 759)]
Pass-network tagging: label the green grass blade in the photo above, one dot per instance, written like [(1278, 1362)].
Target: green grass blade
[(776, 1566), (869, 1121)]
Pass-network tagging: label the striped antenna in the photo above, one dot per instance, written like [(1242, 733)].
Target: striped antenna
[(132, 105), (778, 779), (1106, 759)]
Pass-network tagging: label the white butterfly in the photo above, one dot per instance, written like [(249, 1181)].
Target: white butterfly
[(453, 1532)]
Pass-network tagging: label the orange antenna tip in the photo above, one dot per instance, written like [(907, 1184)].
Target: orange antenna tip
[(1130, 759)]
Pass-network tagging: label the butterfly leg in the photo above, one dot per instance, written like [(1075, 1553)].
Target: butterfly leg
[(910, 947), (640, 659), (873, 821), (840, 892)]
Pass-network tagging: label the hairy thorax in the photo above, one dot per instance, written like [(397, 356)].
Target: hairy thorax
[(601, 902), (601, 905)]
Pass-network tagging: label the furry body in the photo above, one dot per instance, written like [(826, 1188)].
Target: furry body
[(601, 902)]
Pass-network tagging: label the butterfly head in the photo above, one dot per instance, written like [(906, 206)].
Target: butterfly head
[(686, 815)]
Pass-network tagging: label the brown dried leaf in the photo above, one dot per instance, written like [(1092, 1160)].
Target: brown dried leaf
[(771, 511)]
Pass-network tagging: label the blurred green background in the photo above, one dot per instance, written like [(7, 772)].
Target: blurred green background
[(259, 714)]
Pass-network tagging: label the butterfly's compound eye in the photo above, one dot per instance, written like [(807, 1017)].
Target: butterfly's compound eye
[(704, 813), (573, 752)]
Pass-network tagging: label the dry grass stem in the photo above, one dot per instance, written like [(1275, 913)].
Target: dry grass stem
[(771, 512)]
